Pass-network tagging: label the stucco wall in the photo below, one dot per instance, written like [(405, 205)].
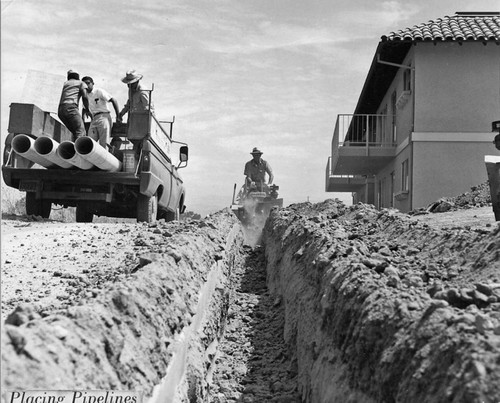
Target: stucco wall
[(447, 169), (404, 114), (404, 204), (457, 88)]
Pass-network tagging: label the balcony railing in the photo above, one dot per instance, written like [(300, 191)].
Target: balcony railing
[(364, 130), (342, 183)]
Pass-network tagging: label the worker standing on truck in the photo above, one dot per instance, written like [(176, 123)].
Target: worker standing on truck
[(100, 126), (255, 170), (138, 99), (73, 90)]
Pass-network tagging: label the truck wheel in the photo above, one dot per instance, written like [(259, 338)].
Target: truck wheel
[(83, 215), (147, 208), (172, 215), (36, 206)]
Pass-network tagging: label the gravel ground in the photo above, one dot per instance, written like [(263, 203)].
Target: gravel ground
[(50, 265)]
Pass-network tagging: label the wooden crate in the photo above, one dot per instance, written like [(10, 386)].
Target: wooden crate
[(30, 119)]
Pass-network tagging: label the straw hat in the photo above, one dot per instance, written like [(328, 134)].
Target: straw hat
[(131, 77), (256, 151)]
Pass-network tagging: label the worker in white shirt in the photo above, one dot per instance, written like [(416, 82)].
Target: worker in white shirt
[(100, 126)]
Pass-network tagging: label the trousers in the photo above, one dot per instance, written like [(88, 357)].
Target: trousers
[(100, 129), (70, 116)]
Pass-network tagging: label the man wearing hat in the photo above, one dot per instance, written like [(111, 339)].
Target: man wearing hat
[(255, 170), (138, 99), (73, 90)]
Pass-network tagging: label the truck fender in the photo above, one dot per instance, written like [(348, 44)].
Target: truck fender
[(149, 184)]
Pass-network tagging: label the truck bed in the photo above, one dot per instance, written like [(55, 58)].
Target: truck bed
[(76, 176)]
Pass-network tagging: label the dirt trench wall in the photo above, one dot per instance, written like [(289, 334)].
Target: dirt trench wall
[(380, 308), (152, 334)]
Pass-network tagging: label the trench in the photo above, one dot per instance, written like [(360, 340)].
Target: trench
[(252, 363), (336, 305)]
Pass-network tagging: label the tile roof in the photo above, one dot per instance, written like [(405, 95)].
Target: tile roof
[(460, 27)]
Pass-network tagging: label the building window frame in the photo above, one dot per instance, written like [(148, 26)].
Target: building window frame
[(405, 176), (394, 113), (391, 191), (407, 79)]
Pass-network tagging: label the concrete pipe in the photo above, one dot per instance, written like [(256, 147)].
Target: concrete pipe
[(24, 146), (47, 148), (90, 150), (67, 152)]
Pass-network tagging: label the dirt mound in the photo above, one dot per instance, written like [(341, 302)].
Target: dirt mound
[(479, 196), (382, 307), (154, 324)]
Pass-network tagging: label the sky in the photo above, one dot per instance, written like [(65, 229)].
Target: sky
[(272, 74)]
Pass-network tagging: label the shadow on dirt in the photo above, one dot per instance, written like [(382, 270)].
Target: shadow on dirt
[(25, 218)]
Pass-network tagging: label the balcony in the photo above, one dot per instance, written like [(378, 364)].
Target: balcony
[(362, 145), (343, 183)]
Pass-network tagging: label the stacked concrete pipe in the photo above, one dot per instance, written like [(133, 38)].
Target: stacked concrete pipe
[(46, 147), (67, 152), (91, 151), (24, 146)]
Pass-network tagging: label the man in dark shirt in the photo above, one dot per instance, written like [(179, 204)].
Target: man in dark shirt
[(73, 90), (255, 170), (138, 99)]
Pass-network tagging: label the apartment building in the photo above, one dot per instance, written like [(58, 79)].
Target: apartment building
[(422, 124)]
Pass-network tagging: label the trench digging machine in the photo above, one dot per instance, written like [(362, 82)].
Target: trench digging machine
[(253, 204)]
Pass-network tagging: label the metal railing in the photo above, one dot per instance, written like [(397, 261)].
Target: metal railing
[(364, 130)]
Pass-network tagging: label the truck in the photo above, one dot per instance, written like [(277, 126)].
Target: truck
[(134, 177)]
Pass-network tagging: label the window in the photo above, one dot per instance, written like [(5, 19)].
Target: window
[(404, 176), (383, 126), (391, 190), (379, 195), (393, 110), (407, 80)]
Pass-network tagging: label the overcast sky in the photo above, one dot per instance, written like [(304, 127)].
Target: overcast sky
[(236, 74)]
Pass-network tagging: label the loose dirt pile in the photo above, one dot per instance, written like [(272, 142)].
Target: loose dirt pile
[(478, 196), (340, 303), (127, 327), (380, 306)]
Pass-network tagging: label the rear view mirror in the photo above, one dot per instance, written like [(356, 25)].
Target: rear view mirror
[(183, 154)]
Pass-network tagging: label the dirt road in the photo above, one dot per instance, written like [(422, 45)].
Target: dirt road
[(50, 264)]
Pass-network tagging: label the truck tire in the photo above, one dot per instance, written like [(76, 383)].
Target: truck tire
[(83, 215), (172, 215), (36, 206), (147, 208)]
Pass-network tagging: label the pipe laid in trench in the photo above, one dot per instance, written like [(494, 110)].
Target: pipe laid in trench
[(67, 152), (47, 148), (24, 146), (91, 151)]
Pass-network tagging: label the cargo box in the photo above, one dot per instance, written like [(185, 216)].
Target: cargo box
[(30, 119)]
